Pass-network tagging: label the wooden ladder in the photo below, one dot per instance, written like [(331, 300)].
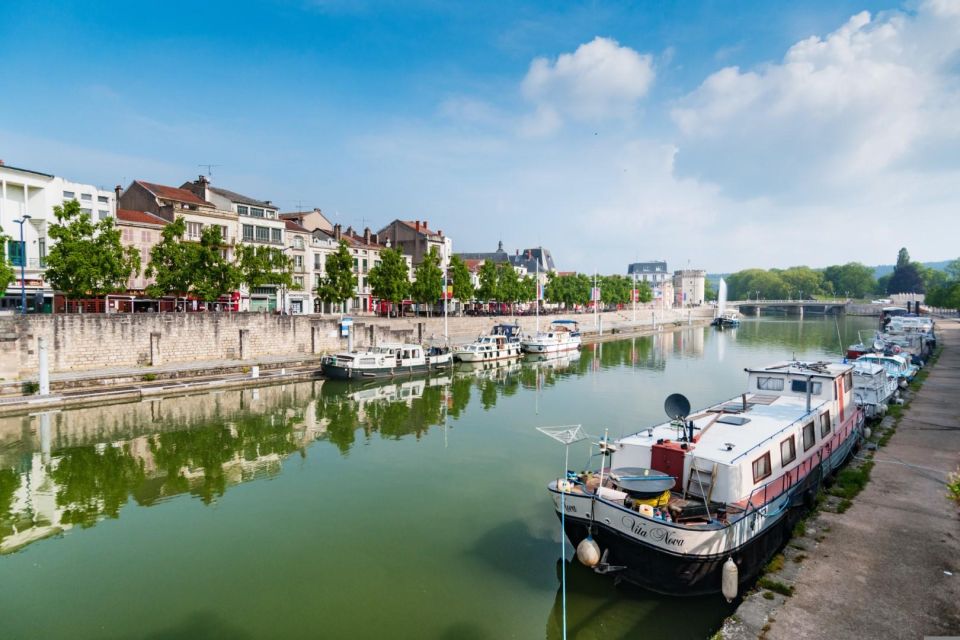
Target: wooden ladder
[(704, 478)]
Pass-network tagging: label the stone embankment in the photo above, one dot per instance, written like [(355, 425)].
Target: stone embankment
[(79, 342), (887, 564)]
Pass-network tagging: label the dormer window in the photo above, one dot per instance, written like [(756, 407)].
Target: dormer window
[(243, 210)]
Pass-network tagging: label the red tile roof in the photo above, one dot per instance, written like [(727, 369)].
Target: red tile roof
[(173, 193), (423, 227), (142, 217), (293, 226)]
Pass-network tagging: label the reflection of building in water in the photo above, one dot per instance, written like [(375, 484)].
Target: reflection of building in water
[(688, 342), (76, 467)]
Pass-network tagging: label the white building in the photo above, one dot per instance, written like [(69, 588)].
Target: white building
[(33, 194)]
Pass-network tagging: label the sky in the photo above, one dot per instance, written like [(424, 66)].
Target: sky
[(712, 134)]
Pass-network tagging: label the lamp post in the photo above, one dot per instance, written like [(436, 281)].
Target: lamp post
[(23, 264), (282, 288)]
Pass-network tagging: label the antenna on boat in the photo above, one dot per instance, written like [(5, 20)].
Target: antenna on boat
[(836, 321), (567, 435)]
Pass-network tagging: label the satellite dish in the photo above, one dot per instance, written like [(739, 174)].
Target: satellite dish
[(677, 406), (878, 345)]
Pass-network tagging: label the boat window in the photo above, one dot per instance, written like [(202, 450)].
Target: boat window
[(847, 381), (809, 436), (415, 354), (766, 383), (368, 361), (788, 451), (825, 424), (761, 468), (800, 386)]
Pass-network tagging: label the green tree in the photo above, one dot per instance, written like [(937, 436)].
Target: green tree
[(528, 289), (907, 276), (87, 258), (488, 290), (261, 266), (340, 282), (644, 292), (462, 286), (852, 279), (709, 293), (802, 282), (390, 279), (171, 265), (7, 274), (427, 286), (508, 284), (213, 274)]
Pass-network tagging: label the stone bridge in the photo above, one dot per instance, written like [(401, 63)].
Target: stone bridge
[(791, 307)]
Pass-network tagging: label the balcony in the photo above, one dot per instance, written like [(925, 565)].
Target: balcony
[(32, 263)]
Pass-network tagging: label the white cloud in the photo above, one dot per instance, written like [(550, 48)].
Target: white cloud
[(871, 97), (601, 79)]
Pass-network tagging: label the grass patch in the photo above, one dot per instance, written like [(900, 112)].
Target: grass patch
[(775, 564), (30, 388), (776, 586), (149, 377), (844, 504), (800, 530), (768, 595), (851, 481), (953, 486)]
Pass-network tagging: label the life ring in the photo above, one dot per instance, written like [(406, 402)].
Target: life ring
[(896, 349)]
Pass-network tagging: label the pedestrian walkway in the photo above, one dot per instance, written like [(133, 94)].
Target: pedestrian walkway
[(890, 566)]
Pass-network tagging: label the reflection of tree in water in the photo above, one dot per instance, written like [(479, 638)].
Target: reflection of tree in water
[(92, 482), (635, 352), (9, 482), (247, 438), (488, 394), (343, 416), (459, 395)]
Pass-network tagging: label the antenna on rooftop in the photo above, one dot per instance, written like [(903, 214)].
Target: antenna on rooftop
[(209, 168)]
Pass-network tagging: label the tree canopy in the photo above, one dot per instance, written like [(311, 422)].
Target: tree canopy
[(946, 294), (7, 274), (197, 268), (852, 279), (427, 286), (87, 258), (462, 284), (488, 289), (390, 280), (260, 265), (907, 276), (339, 282)]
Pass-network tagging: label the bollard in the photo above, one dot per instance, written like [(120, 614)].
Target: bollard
[(44, 366), (255, 371)]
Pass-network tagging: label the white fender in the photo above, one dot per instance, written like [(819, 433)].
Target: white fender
[(729, 581), (588, 552)]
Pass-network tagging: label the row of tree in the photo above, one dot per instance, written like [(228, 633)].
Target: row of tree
[(852, 280), (946, 294)]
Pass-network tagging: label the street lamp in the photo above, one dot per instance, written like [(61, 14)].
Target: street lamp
[(23, 263), (283, 288)]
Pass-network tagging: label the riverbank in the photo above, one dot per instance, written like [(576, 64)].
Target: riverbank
[(134, 383), (887, 564)]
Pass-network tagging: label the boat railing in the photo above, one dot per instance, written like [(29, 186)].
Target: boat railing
[(785, 482)]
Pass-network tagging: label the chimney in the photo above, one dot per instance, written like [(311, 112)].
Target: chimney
[(440, 232), (375, 238), (2, 163), (203, 180), (417, 225), (267, 202), (426, 225), (337, 232), (518, 253), (350, 231), (117, 189), (366, 235)]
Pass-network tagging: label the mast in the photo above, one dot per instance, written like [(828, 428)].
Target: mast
[(537, 295)]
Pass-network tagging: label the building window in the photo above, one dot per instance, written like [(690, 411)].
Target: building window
[(761, 468), (765, 383), (194, 229), (263, 234), (256, 212), (242, 210), (223, 233), (298, 262), (298, 242), (800, 386), (788, 451), (298, 282), (824, 424), (317, 262), (808, 436), (103, 199), (86, 197), (86, 210), (103, 214), (364, 265), (42, 248), (248, 232), (276, 235), (69, 195), (356, 264), (15, 253)]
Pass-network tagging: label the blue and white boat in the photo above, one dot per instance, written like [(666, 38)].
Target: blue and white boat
[(561, 335)]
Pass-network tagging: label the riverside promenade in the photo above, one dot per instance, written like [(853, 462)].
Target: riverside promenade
[(890, 566)]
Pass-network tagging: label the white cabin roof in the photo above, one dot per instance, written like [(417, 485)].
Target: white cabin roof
[(815, 369), (766, 416)]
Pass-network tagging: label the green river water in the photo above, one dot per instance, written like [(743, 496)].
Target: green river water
[(411, 509)]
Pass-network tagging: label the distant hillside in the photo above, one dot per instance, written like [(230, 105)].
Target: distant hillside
[(884, 269)]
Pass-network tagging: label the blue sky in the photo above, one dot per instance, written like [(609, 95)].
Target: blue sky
[(717, 134)]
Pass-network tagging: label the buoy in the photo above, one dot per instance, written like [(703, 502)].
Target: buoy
[(867, 433), (588, 552), (729, 580)]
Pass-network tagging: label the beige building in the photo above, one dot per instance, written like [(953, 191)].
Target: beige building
[(140, 230), (688, 287), (414, 238)]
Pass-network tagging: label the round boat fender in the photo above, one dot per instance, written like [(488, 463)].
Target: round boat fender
[(588, 552), (730, 579)]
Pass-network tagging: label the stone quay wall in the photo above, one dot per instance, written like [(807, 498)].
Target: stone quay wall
[(78, 342)]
